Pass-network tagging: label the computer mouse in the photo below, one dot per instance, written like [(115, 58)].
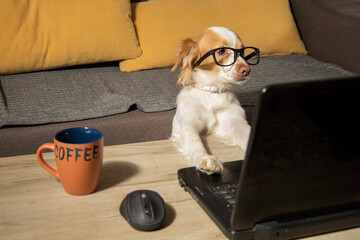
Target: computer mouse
[(144, 210)]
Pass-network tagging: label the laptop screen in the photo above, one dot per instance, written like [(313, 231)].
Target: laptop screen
[(303, 154)]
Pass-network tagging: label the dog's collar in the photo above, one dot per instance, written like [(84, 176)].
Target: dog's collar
[(211, 89)]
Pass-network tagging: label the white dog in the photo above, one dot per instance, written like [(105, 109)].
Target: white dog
[(211, 64)]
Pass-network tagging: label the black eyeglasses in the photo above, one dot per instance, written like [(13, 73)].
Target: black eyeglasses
[(226, 56)]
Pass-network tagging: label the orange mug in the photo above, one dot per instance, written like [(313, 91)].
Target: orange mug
[(79, 156)]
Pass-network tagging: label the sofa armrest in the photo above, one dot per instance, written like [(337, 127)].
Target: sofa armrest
[(330, 30)]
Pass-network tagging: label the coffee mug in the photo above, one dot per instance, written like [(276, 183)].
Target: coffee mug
[(79, 156)]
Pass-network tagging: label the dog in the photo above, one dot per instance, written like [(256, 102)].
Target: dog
[(211, 65)]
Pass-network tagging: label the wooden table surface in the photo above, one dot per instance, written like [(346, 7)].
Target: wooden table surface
[(33, 204)]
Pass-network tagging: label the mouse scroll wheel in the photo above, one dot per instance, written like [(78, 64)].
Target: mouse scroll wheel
[(149, 214), (147, 211)]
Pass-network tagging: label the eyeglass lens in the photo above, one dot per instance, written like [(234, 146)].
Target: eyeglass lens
[(251, 56), (227, 56)]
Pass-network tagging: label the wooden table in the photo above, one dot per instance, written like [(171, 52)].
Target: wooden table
[(33, 204)]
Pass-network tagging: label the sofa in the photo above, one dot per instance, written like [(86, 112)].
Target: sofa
[(138, 105)]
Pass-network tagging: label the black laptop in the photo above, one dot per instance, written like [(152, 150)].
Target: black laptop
[(301, 173)]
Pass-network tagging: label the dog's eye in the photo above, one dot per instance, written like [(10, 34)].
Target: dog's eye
[(221, 51)]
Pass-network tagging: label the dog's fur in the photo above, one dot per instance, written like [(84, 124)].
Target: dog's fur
[(206, 104)]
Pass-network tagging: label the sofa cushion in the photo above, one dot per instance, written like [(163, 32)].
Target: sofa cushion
[(36, 35), (85, 92), (330, 30), (161, 25)]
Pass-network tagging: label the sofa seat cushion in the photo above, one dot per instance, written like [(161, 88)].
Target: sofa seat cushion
[(99, 90)]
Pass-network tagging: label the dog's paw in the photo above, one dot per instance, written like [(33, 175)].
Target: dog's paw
[(209, 165)]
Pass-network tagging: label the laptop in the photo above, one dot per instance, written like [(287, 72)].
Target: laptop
[(301, 172)]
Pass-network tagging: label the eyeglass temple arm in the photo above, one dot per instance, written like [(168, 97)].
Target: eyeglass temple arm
[(251, 55), (201, 59)]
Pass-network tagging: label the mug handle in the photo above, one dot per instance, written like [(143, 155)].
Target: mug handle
[(41, 160)]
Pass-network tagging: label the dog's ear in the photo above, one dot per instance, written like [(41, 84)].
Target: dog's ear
[(187, 55)]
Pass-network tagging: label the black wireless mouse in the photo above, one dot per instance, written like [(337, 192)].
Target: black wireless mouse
[(144, 210)]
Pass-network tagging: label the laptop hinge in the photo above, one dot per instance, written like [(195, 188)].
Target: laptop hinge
[(307, 226)]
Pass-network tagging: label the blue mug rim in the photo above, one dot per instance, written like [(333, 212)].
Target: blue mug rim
[(78, 135)]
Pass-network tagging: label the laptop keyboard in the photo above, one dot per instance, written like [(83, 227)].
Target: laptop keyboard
[(227, 192)]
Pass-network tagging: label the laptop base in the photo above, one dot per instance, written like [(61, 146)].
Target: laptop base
[(289, 228), (307, 226)]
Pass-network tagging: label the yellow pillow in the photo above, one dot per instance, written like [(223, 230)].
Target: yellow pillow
[(162, 24), (44, 34)]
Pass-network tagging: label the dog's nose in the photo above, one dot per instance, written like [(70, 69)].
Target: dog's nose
[(244, 70)]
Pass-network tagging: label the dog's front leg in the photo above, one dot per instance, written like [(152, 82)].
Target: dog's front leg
[(232, 127), (189, 143), (197, 154)]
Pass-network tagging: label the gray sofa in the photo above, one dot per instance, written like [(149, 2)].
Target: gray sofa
[(139, 106)]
